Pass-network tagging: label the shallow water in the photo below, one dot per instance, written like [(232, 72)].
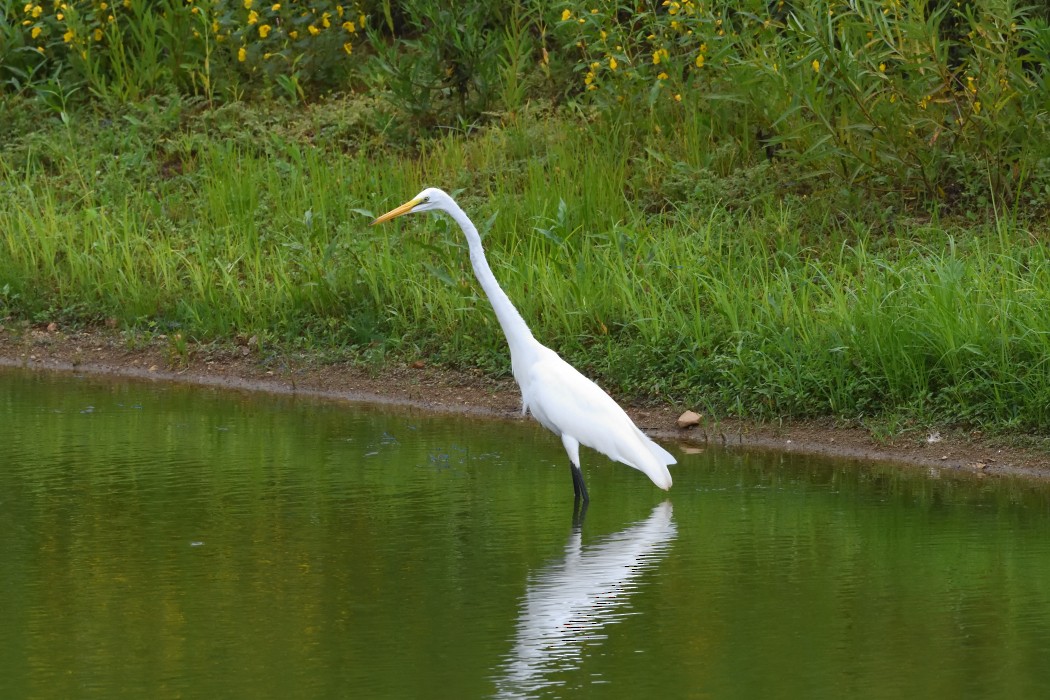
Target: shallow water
[(165, 541)]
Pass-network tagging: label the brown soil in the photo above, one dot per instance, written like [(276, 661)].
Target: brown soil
[(110, 353)]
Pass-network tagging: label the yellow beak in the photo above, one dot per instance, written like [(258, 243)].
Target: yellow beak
[(394, 213)]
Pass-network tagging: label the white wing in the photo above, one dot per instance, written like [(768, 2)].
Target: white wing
[(566, 402)]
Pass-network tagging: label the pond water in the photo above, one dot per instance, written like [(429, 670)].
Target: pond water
[(165, 541)]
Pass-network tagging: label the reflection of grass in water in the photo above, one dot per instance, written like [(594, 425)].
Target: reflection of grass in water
[(319, 557)]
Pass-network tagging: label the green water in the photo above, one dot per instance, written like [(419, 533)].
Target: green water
[(159, 541)]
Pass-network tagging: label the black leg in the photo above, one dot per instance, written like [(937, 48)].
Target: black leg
[(578, 487), (580, 501)]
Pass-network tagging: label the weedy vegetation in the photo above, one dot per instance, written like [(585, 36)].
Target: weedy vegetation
[(768, 209)]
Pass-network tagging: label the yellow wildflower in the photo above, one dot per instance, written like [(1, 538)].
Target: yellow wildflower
[(565, 15), (660, 55), (339, 10), (248, 6), (29, 8), (242, 54), (662, 76), (678, 97), (40, 49), (816, 65), (60, 16), (98, 34), (612, 63), (102, 6), (314, 30), (325, 21), (68, 36), (36, 32), (293, 34), (882, 67), (37, 11), (977, 107), (276, 7), (264, 30), (348, 47), (700, 61), (253, 17), (348, 25)]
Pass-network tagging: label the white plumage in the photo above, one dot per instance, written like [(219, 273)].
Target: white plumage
[(564, 401)]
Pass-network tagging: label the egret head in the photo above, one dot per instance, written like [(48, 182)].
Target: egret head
[(429, 199)]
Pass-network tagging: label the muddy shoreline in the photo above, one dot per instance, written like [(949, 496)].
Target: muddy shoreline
[(108, 353)]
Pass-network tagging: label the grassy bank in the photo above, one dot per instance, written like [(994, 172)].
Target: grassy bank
[(213, 223)]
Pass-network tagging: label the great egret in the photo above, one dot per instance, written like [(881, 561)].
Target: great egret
[(564, 401)]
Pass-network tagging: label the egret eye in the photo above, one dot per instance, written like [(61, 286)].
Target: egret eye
[(426, 199)]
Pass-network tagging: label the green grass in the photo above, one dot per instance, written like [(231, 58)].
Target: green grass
[(255, 221)]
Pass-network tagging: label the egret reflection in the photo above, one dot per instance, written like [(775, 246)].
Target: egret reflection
[(568, 604)]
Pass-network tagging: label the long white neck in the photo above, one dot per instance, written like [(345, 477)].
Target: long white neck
[(518, 335)]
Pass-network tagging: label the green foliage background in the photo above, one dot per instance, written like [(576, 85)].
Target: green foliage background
[(942, 102), (787, 209)]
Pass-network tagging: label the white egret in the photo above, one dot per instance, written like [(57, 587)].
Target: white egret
[(564, 401)]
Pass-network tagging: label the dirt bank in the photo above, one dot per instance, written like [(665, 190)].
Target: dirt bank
[(245, 367)]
